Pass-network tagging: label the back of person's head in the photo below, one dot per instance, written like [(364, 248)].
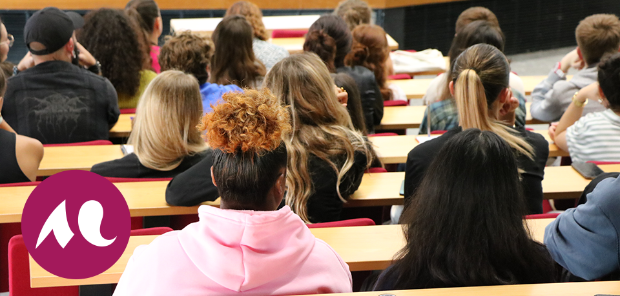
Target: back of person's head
[(324, 46), (249, 156), (354, 102), (144, 13), (609, 80), (107, 33), (480, 75), (187, 52), (334, 27), (354, 12), (472, 14), (473, 33), (49, 32), (598, 35), (464, 224), (321, 125), (3, 81), (234, 60), (4, 46), (254, 16), (370, 49), (168, 113)]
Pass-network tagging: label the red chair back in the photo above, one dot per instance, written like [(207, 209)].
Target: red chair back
[(125, 180), (395, 103), (89, 143), (399, 77), (542, 216), (438, 132), (376, 170), (21, 184), (603, 162), (383, 135), (288, 33), (128, 111), (344, 223), (546, 205), (150, 231)]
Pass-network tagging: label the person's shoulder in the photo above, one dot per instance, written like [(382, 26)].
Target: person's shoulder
[(122, 167), (29, 146), (605, 196)]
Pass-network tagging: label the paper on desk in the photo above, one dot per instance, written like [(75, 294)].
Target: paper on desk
[(424, 138), (421, 61), (127, 149)]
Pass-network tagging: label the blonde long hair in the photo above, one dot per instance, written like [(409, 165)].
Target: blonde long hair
[(165, 129), (321, 125), (480, 74)]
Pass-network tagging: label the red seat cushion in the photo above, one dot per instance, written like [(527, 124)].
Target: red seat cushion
[(288, 33), (603, 162), (542, 216), (128, 111), (376, 170), (399, 77), (395, 103)]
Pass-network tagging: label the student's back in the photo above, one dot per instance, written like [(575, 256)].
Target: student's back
[(464, 225), (245, 247)]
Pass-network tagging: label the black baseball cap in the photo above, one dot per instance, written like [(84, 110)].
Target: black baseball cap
[(51, 27)]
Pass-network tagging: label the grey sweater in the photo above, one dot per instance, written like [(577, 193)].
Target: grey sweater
[(584, 240), (551, 97)]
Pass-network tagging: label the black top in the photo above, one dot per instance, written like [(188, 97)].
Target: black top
[(130, 167), (195, 186), (422, 155), (370, 94), (10, 172), (58, 102)]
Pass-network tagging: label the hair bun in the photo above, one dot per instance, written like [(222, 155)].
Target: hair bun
[(251, 121), (323, 45)]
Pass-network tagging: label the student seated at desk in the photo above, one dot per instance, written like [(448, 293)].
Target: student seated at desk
[(165, 138), (464, 224), (595, 136), (234, 61), (265, 51), (444, 114), (354, 12), (112, 39), (484, 101), (247, 246), (191, 53), (148, 17), (584, 240), (331, 40), (597, 36), (20, 156)]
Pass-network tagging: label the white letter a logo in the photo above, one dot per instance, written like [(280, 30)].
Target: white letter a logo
[(57, 222)]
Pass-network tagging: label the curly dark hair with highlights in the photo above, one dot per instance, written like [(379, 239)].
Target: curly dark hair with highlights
[(251, 121), (110, 36), (187, 52)]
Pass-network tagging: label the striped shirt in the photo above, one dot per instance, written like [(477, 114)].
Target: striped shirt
[(596, 137)]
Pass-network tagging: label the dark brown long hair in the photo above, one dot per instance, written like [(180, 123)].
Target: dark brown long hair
[(144, 13), (234, 60), (334, 27), (111, 38), (464, 224), (370, 49)]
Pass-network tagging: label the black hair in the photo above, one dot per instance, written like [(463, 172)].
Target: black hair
[(336, 28), (464, 224), (609, 80)]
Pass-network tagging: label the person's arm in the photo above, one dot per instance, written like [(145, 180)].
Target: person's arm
[(353, 178), (574, 113), (194, 186), (113, 111), (584, 240), (29, 153)]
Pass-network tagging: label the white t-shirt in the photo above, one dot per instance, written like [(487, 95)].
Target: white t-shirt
[(595, 137), (435, 89)]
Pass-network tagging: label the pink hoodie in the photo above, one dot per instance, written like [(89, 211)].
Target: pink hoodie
[(232, 252)]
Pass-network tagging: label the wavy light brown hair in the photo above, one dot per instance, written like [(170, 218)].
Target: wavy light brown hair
[(254, 16), (187, 52), (354, 12), (598, 35), (165, 129), (234, 61), (472, 14), (321, 125), (370, 49)]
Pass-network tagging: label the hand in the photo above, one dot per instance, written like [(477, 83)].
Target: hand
[(342, 95), (590, 92), (573, 60), (552, 129), (86, 59), (26, 63), (507, 112)]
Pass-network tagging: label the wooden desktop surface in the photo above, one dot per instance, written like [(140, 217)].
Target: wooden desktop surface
[(555, 289), (363, 248)]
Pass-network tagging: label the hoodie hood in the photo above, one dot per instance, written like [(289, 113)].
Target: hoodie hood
[(249, 248)]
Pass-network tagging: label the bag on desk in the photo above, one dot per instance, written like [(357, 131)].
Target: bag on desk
[(421, 61)]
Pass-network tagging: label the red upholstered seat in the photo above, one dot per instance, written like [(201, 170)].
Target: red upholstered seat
[(128, 111), (395, 103), (288, 33)]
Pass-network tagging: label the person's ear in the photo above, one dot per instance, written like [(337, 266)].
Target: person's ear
[(579, 54), (279, 188), (212, 177), (600, 92), (504, 101), (70, 46), (451, 87)]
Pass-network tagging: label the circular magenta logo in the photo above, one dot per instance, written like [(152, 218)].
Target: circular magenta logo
[(76, 224)]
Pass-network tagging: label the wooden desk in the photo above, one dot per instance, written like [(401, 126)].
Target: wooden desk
[(363, 248), (557, 289), (122, 128), (59, 159), (401, 117)]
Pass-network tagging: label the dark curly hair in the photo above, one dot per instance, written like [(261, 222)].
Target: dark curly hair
[(110, 36), (187, 52)]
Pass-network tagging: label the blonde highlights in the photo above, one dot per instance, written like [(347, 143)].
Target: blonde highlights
[(165, 129), (321, 126)]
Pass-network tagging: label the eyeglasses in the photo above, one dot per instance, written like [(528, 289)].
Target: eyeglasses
[(10, 40)]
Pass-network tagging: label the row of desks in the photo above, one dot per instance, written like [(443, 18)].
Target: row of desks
[(362, 248), (377, 189), (390, 149)]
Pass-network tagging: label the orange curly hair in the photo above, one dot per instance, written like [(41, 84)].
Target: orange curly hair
[(251, 121)]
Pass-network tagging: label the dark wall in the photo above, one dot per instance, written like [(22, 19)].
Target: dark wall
[(529, 25)]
